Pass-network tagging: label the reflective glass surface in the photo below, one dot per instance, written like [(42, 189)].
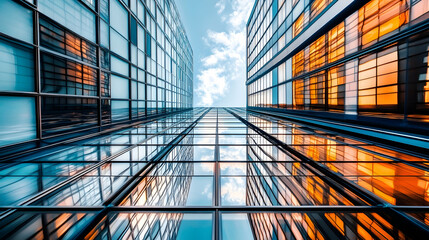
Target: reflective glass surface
[(72, 14), (168, 179), (17, 122), (16, 21), (16, 68)]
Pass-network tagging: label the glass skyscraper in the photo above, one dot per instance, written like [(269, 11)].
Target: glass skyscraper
[(99, 138), (69, 66), (360, 61), (216, 174)]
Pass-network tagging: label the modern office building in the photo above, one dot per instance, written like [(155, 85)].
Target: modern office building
[(355, 67), (99, 140), (216, 174), (71, 67), (360, 61)]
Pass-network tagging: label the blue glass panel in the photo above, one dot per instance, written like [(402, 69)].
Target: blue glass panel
[(200, 192), (104, 34), (140, 38), (196, 226), (275, 95), (71, 14), (134, 90), (35, 225), (120, 110), (119, 18), (104, 9), (148, 47), (119, 87), (235, 226), (17, 119), (118, 44), (275, 76), (275, 7), (133, 28), (16, 21), (119, 66), (16, 68), (63, 114)]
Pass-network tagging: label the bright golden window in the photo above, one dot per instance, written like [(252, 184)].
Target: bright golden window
[(298, 93), (336, 43), (378, 79), (380, 17), (336, 87), (298, 63), (298, 25), (317, 6), (317, 89), (317, 53)]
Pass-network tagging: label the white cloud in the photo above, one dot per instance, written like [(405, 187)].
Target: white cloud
[(233, 191), (212, 84), (227, 60), (220, 6)]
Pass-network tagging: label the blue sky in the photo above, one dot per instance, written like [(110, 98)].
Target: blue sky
[(217, 32)]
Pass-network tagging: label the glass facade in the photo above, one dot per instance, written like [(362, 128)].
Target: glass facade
[(68, 66), (99, 138), (216, 173), (360, 60)]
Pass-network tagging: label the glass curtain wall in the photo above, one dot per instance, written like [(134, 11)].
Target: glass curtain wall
[(370, 63), (75, 65), (216, 174)]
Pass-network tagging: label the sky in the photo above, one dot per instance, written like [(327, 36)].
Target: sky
[(216, 30)]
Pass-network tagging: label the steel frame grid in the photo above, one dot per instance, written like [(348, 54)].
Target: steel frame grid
[(40, 140), (111, 205)]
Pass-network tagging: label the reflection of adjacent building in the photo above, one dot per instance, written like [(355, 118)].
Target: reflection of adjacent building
[(370, 61), (75, 66), (375, 169), (165, 185), (290, 183), (322, 226)]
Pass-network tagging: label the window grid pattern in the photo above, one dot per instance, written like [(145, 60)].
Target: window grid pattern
[(76, 65), (197, 173), (383, 82)]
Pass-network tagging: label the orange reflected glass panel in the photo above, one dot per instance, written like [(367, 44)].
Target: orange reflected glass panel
[(380, 17), (336, 43), (298, 25)]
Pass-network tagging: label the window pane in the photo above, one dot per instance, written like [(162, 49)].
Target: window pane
[(16, 68), (119, 66), (72, 14), (16, 21), (105, 84), (60, 114), (67, 77), (119, 18), (120, 110), (63, 41), (118, 44), (17, 119), (236, 226), (104, 34), (119, 87)]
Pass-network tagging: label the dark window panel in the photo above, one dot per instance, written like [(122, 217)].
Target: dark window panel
[(105, 84), (133, 32), (106, 111), (62, 114), (105, 58)]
